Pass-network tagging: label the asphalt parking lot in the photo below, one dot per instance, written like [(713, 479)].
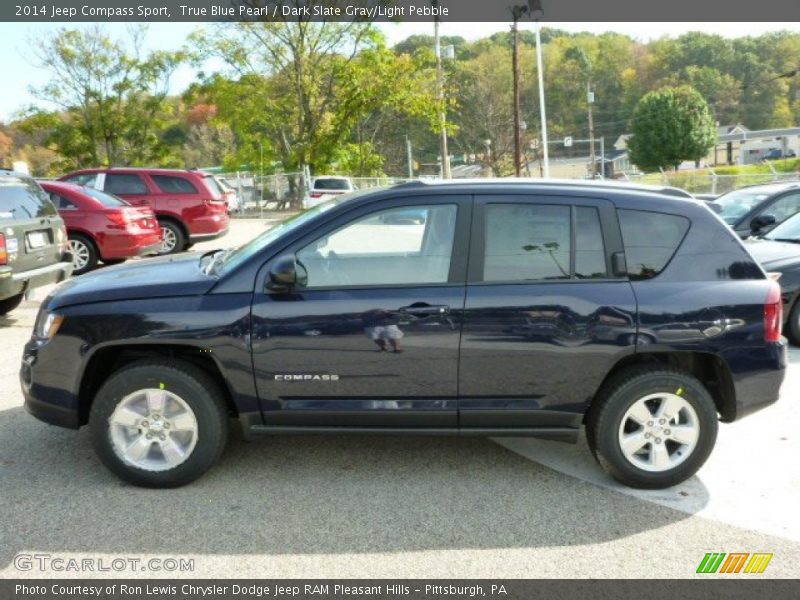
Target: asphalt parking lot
[(394, 507)]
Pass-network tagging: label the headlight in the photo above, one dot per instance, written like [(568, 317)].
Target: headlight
[(47, 325)]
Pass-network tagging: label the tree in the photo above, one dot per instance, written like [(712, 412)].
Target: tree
[(671, 125), (111, 96)]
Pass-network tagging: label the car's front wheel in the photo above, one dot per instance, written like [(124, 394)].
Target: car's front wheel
[(159, 424), (652, 427)]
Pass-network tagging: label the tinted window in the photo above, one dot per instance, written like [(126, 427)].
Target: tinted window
[(527, 242), (737, 204), (83, 179), (104, 198), (124, 184), (784, 207), (174, 185), (402, 246), (590, 252), (650, 240), (62, 203), (213, 185), (332, 184), (22, 199)]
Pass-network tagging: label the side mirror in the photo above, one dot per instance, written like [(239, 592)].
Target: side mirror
[(286, 273), (760, 222)]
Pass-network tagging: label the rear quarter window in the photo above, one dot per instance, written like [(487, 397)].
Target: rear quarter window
[(651, 239), (22, 199), (174, 185)]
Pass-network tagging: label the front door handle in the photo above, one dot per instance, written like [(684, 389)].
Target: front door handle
[(423, 308)]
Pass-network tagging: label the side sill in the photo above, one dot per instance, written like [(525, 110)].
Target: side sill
[(561, 434)]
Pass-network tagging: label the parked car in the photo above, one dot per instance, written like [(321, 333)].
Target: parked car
[(756, 209), (779, 251), (515, 309), (777, 154), (230, 194), (325, 188), (189, 205), (102, 227), (33, 240)]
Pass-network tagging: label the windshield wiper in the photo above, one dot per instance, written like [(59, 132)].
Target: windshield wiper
[(788, 240)]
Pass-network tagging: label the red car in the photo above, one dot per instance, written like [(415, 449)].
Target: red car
[(189, 205), (101, 227)]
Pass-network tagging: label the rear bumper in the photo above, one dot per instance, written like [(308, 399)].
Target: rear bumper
[(757, 377), (207, 237), (209, 226), (13, 283)]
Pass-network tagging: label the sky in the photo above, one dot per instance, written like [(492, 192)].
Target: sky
[(19, 72)]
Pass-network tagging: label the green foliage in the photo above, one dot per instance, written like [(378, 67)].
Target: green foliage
[(112, 98), (669, 126)]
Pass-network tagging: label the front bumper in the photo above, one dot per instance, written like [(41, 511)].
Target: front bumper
[(42, 380), (13, 283)]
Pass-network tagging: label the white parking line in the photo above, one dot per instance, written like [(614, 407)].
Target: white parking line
[(751, 480)]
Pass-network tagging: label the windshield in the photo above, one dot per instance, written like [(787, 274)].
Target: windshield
[(239, 255), (736, 205), (788, 230)]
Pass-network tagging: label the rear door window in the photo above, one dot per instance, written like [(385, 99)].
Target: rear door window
[(650, 239), (124, 183), (22, 199), (89, 179), (170, 184)]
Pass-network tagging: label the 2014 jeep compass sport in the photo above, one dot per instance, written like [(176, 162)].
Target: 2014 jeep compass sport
[(501, 308)]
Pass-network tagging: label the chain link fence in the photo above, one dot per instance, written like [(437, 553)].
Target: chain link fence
[(707, 181), (282, 192)]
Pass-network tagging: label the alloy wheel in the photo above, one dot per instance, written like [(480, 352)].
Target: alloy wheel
[(80, 254), (659, 431), (153, 429)]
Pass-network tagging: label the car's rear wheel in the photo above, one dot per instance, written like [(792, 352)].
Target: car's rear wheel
[(652, 427), (172, 238), (159, 424), (84, 253), (9, 304)]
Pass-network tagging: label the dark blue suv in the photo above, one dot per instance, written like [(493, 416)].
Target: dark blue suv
[(502, 308)]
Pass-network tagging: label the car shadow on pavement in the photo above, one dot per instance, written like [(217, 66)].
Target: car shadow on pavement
[(303, 495)]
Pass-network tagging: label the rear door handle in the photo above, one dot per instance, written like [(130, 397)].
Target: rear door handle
[(422, 308)]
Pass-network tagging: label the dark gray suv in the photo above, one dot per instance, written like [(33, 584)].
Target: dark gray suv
[(33, 249)]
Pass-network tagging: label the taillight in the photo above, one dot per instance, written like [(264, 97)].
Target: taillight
[(773, 313), (3, 250), (118, 217), (316, 194)]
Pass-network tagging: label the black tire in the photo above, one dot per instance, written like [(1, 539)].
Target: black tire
[(199, 391), (92, 256), (188, 245), (171, 228), (9, 304), (618, 395), (792, 329)]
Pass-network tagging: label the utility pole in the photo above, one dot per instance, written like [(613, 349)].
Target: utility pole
[(440, 85), (590, 101), (516, 13), (537, 12), (410, 159)]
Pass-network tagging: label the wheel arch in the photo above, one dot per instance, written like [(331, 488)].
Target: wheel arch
[(708, 368), (109, 359)]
